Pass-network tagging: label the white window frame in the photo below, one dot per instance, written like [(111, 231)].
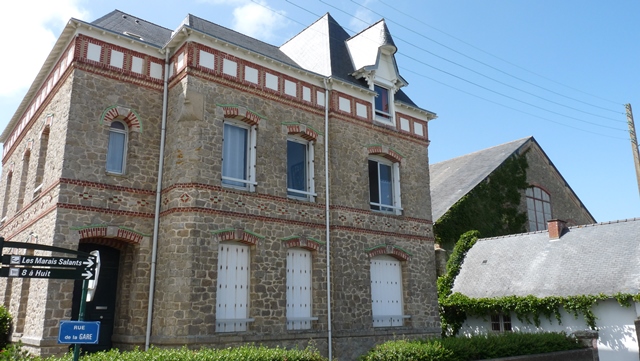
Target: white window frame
[(396, 206), (232, 302), (501, 323), (309, 194), (387, 297), (379, 114), (538, 206), (124, 131), (249, 183), (299, 291)]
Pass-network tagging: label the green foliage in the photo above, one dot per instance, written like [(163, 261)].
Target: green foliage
[(5, 326), (240, 353), (14, 352), (491, 207), (455, 307), (452, 315), (401, 350), (507, 344)]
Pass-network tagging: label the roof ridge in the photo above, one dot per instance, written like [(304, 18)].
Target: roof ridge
[(484, 150), (235, 31), (133, 16)]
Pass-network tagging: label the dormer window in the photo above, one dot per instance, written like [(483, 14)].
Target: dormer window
[(382, 101)]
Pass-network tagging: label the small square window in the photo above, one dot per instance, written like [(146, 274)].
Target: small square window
[(500, 323)]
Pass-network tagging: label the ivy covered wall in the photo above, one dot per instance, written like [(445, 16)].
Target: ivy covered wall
[(491, 208)]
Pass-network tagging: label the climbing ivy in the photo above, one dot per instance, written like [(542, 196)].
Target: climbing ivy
[(491, 207), (455, 307)]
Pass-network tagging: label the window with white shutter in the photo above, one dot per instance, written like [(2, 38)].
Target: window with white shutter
[(298, 289), (386, 291), (232, 297)]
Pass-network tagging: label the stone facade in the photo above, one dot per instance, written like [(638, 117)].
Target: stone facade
[(80, 204)]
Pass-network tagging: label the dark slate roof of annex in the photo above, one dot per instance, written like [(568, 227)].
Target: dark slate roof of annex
[(586, 260), (120, 22), (453, 178)]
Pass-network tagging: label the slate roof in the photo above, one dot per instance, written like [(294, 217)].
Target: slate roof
[(586, 260), (120, 22), (453, 178)]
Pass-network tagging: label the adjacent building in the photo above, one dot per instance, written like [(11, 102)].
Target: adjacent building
[(237, 191), (593, 260)]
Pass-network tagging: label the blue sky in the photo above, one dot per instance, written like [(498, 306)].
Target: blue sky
[(494, 70)]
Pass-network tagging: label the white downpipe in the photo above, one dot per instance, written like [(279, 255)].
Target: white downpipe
[(326, 210), (156, 219)]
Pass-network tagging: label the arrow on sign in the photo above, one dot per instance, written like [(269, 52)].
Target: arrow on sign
[(89, 263), (87, 275)]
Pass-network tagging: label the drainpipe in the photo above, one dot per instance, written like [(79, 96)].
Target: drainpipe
[(156, 219), (326, 210)]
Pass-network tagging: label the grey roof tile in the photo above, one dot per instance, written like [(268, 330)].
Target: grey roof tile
[(586, 260), (453, 178), (120, 22)]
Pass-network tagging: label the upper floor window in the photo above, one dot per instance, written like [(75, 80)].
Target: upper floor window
[(117, 148), (386, 291), (538, 208), (384, 185), (7, 195), (300, 170), (238, 155), (500, 322), (382, 103)]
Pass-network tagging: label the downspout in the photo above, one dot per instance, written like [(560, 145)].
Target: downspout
[(326, 210), (156, 219)]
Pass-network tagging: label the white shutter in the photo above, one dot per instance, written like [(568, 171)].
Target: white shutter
[(298, 289), (232, 295), (386, 292)]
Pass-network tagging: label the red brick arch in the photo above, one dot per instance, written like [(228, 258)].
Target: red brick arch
[(386, 152), (233, 111), (238, 235), (127, 115), (390, 250)]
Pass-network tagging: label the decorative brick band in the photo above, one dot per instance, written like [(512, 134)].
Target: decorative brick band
[(393, 251), (239, 235), (241, 113), (129, 116), (384, 151), (308, 243), (112, 232), (304, 131)]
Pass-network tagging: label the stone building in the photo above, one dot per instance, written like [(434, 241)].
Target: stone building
[(548, 196), (237, 191)]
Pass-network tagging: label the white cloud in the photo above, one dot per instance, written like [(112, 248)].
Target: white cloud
[(363, 18), (256, 20), (31, 29)]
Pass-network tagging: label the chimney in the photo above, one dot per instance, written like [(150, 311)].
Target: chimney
[(556, 228)]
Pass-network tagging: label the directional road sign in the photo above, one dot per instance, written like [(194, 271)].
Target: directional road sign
[(87, 263), (20, 272), (79, 332)]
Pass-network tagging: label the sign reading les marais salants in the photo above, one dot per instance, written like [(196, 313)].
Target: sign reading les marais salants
[(82, 268)]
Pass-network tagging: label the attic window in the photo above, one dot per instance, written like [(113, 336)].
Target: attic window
[(383, 104), (133, 35)]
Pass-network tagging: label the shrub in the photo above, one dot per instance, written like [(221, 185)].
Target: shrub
[(402, 350), (5, 325), (241, 353)]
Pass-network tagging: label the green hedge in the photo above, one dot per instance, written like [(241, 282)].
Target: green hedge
[(473, 348), (241, 353), (5, 326)]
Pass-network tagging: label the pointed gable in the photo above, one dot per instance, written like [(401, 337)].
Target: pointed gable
[(373, 49)]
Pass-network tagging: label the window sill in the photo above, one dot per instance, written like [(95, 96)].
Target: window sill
[(113, 174)]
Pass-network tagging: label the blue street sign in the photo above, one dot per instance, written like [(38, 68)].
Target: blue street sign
[(79, 332)]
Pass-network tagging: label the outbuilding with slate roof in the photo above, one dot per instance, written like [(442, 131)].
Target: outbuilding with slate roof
[(595, 259)]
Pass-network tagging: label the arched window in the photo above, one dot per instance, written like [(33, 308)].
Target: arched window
[(538, 208), (7, 194), (386, 291), (298, 289), (117, 149), (232, 295), (23, 179)]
